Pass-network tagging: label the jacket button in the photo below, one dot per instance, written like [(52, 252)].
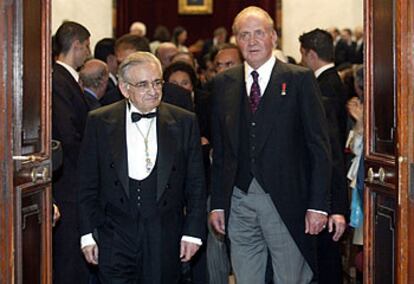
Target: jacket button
[(116, 182), (167, 186), (112, 165)]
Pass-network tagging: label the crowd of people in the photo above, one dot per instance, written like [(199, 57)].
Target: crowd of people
[(185, 164)]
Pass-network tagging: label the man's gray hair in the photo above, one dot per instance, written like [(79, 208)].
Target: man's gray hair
[(137, 58), (252, 10)]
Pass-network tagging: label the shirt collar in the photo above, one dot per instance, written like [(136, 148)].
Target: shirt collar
[(70, 69), (131, 108), (113, 78), (264, 71), (319, 71), (90, 92)]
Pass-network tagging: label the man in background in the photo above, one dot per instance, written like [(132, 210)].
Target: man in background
[(93, 78), (105, 51), (317, 52), (69, 111)]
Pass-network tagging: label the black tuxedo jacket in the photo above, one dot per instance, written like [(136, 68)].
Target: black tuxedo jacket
[(293, 152), (104, 192), (334, 99), (69, 111)]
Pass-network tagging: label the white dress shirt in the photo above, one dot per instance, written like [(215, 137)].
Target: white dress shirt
[(319, 71)]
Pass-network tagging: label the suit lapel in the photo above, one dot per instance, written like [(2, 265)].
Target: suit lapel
[(232, 105), (271, 104), (167, 132), (117, 139)]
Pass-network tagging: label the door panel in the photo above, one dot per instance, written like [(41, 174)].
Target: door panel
[(389, 151), (25, 200)]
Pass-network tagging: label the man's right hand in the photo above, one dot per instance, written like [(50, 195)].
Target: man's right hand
[(91, 254), (216, 220)]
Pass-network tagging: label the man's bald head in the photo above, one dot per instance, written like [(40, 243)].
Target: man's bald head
[(94, 75), (165, 52)]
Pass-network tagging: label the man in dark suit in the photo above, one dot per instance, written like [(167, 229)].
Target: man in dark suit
[(317, 53), (271, 159), (105, 51), (142, 199), (93, 78), (69, 111)]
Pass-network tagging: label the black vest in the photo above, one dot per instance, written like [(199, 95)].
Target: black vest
[(143, 194), (247, 154)]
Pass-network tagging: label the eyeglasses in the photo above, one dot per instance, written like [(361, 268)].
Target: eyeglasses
[(257, 34), (145, 86)]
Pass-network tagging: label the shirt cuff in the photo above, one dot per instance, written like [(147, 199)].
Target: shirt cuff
[(87, 240), (318, 211), (193, 240), (217, 210)]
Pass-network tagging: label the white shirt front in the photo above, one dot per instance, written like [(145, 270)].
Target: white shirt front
[(265, 71), (136, 151)]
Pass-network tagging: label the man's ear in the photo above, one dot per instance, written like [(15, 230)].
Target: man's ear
[(124, 88)]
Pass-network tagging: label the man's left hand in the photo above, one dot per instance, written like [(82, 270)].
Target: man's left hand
[(188, 250), (315, 222), (336, 224)]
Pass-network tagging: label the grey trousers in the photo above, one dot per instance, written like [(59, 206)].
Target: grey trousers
[(256, 228)]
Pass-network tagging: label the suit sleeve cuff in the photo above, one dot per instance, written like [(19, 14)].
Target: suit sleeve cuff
[(87, 240), (318, 211), (193, 240)]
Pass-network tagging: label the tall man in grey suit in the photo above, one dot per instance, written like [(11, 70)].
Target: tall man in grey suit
[(271, 159), (142, 196)]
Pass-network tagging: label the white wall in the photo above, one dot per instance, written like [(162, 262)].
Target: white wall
[(299, 16), (95, 15)]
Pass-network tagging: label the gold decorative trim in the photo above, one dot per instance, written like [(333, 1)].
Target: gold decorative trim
[(195, 7)]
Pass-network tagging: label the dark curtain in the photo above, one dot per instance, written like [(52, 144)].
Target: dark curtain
[(165, 12)]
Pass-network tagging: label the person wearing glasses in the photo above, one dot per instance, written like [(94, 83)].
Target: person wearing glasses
[(271, 159), (142, 196)]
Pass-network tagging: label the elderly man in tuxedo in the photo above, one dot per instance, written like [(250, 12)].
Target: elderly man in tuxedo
[(271, 159), (142, 195)]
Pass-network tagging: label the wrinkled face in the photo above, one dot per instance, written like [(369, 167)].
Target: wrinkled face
[(82, 52), (255, 38), (166, 54), (226, 59), (181, 79), (143, 87)]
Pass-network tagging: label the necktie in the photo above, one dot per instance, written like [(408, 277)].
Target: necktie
[(255, 92), (136, 116)]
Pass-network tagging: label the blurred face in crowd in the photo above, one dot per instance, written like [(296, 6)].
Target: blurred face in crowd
[(165, 52), (123, 51), (142, 85), (226, 58), (256, 38), (182, 37), (181, 79)]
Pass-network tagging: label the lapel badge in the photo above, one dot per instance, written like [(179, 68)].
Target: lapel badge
[(283, 93)]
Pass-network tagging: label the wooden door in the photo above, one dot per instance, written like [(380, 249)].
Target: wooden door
[(25, 200), (388, 227)]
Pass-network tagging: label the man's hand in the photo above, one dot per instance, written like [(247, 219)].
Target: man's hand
[(337, 224), (91, 254), (314, 222), (187, 250), (56, 214), (216, 220)]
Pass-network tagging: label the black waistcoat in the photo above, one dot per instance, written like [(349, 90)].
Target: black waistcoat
[(143, 194), (247, 155)]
